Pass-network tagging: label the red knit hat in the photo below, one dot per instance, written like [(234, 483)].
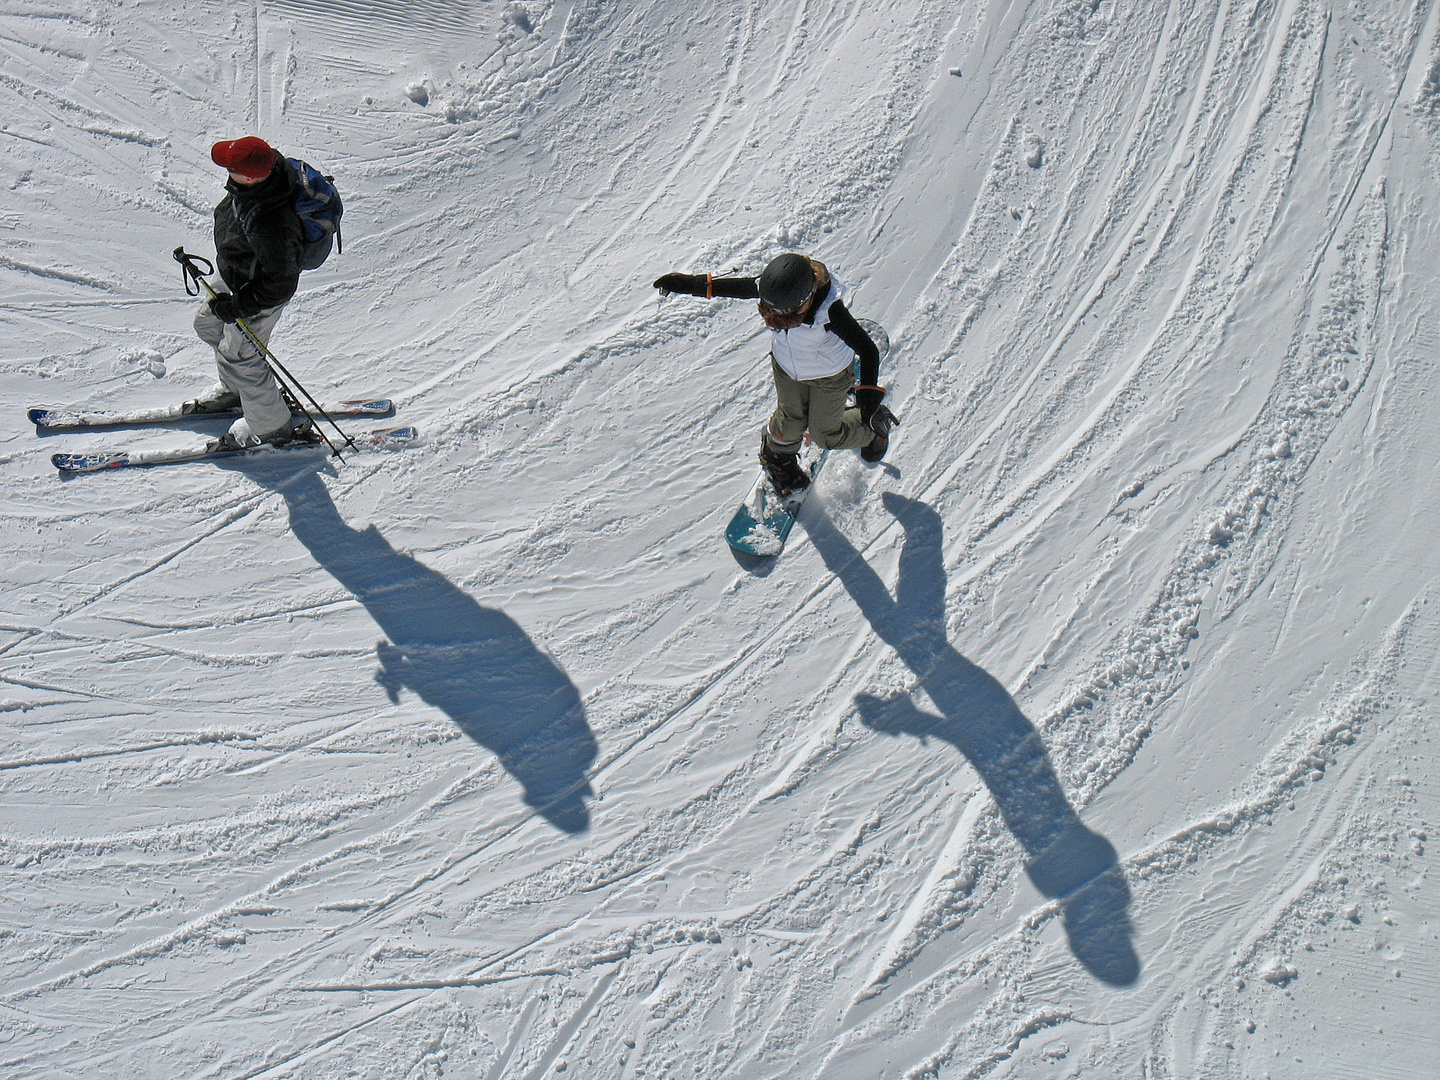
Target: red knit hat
[(249, 156)]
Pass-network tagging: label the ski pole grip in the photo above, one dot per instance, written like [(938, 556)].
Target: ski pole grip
[(191, 272)]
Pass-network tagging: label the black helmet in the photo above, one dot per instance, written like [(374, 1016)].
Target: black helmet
[(787, 284)]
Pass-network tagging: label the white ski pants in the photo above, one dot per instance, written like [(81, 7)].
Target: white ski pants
[(243, 368)]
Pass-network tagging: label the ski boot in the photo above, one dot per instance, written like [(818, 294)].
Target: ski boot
[(783, 470), (298, 431), (301, 433), (217, 400)]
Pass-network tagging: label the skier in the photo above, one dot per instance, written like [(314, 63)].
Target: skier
[(258, 239), (813, 339)]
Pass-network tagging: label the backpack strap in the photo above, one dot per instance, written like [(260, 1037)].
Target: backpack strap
[(339, 241)]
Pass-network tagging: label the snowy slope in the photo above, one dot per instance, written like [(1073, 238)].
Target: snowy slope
[(487, 759)]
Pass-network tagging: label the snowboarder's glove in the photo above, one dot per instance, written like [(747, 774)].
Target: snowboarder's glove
[(225, 307), (874, 415), (882, 421), (868, 398), (690, 284)]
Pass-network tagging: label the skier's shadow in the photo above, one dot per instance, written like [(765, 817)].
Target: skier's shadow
[(979, 718), (473, 663)]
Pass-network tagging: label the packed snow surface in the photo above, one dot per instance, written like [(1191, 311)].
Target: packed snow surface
[(1090, 735)]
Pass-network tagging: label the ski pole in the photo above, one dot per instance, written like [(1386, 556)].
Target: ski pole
[(192, 273), (194, 276), (190, 268)]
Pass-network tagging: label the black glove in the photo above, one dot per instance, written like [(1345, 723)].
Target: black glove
[(225, 307), (868, 398), (874, 415), (883, 421), (690, 284)]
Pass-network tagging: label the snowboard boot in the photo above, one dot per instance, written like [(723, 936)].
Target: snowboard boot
[(783, 470), (875, 449), (217, 400)]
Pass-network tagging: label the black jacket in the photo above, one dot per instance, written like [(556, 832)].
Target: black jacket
[(258, 239)]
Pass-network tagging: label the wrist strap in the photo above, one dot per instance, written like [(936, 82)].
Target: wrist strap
[(880, 388)]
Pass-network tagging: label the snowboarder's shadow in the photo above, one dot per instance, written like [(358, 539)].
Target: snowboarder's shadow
[(979, 718), (471, 662)]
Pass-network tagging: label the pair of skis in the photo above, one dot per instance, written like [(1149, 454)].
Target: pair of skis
[(763, 521), (71, 420), (194, 269)]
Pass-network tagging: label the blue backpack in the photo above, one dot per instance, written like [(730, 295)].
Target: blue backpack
[(318, 204)]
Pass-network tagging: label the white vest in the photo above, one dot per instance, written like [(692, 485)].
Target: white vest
[(811, 351)]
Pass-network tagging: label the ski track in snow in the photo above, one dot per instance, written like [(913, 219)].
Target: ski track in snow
[(1158, 282)]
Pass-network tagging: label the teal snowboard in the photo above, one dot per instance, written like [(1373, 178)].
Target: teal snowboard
[(763, 521)]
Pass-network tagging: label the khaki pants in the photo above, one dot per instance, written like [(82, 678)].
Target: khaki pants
[(817, 404), (243, 368)]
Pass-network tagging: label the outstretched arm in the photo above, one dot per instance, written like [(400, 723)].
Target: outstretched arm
[(738, 288)]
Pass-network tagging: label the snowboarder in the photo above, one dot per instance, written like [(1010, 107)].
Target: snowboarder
[(813, 342), (258, 240)]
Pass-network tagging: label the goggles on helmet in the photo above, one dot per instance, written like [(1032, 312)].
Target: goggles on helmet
[(776, 320), (784, 311)]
